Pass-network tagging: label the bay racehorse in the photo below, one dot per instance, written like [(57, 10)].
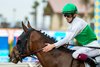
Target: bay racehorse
[(31, 41)]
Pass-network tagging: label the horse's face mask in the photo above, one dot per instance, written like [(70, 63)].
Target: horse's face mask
[(19, 49)]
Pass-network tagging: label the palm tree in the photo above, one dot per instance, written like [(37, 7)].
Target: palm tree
[(35, 12)]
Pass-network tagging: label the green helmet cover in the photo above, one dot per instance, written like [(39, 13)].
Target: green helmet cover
[(69, 9)]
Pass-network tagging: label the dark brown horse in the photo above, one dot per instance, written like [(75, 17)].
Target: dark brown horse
[(31, 41)]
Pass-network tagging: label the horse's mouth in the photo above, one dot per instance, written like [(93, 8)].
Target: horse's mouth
[(14, 61)]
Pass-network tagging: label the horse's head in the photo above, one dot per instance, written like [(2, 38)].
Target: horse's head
[(31, 41), (19, 49), (22, 49)]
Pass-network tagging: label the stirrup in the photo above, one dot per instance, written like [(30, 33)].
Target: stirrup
[(91, 62)]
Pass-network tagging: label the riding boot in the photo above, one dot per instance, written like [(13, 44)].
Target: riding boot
[(90, 62), (85, 58)]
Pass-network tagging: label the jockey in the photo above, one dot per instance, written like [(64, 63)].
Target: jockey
[(81, 31)]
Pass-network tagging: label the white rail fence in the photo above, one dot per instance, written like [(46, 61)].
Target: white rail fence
[(20, 65)]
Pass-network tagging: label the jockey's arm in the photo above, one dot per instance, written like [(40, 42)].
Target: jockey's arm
[(74, 30), (71, 33)]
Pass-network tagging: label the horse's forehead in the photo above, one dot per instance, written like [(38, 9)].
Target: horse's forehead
[(35, 35), (22, 35)]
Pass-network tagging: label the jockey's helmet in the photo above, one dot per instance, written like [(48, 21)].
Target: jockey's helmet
[(69, 9)]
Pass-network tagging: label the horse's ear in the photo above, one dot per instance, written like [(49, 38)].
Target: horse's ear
[(29, 26), (24, 27)]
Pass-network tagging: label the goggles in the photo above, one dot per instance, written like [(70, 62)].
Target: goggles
[(68, 15)]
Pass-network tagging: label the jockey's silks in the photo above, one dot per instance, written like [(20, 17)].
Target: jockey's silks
[(86, 36), (80, 30)]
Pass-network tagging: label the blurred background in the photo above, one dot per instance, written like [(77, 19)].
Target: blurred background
[(44, 15)]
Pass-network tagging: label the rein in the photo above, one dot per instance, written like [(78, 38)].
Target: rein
[(85, 46), (33, 52)]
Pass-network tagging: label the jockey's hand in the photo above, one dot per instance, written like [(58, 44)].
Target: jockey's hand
[(48, 47)]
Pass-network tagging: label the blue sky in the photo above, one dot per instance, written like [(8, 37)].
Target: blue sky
[(23, 9)]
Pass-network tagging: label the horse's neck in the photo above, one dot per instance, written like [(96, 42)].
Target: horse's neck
[(55, 58), (41, 59), (50, 57)]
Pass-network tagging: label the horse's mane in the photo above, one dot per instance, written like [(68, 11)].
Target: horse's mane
[(46, 36), (53, 40)]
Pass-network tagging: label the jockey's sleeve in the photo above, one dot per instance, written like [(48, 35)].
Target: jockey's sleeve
[(75, 29)]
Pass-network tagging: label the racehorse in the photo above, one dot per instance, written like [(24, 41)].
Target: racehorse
[(31, 41)]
